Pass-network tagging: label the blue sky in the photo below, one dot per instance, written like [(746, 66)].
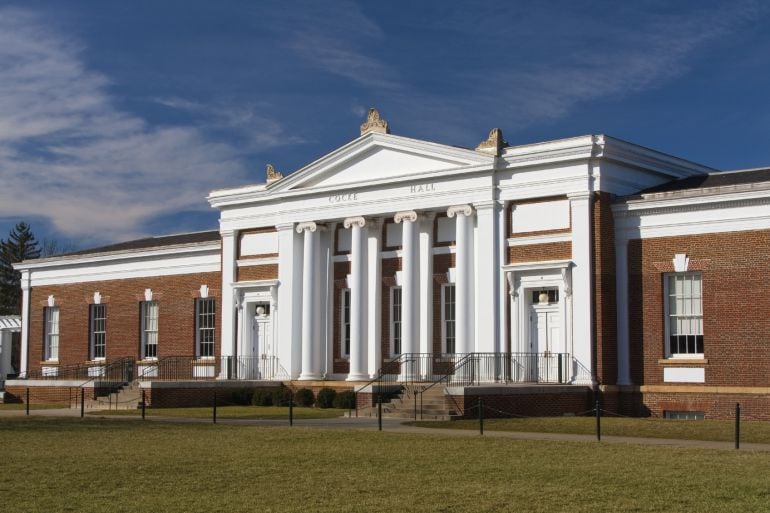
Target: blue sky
[(117, 118)]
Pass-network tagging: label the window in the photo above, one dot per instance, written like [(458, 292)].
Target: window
[(684, 415), (395, 320), (448, 317), (205, 318), (684, 314), (149, 316), (346, 322), (98, 332), (51, 333)]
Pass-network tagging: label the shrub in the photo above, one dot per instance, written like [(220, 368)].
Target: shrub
[(304, 397), (262, 398), (242, 396), (281, 396), (325, 398), (345, 400)]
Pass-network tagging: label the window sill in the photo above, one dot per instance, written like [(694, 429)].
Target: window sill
[(344, 359), (679, 362), (49, 362)]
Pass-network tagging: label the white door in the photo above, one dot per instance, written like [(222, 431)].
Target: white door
[(544, 342), (254, 361)]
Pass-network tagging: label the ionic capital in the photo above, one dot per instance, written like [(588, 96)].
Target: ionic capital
[(357, 221), (409, 215), (308, 226), (457, 210)]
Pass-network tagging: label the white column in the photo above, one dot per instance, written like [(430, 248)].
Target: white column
[(25, 291), (426, 284), (288, 347), (310, 296), (582, 336), (621, 305), (229, 329), (504, 300), (463, 277), (409, 288), (374, 295), (358, 347), (486, 277)]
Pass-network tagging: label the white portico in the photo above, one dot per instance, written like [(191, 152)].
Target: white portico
[(391, 248)]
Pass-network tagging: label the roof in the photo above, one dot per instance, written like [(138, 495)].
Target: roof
[(718, 179), (152, 242), (10, 322)]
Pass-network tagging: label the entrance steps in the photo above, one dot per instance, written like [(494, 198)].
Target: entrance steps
[(127, 397), (413, 402)]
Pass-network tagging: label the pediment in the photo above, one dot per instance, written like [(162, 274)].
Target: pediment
[(381, 157)]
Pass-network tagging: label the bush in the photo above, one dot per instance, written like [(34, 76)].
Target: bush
[(262, 398), (242, 396), (325, 398), (281, 396), (345, 400), (304, 397)]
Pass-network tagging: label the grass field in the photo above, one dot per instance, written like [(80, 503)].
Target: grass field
[(231, 412), (716, 430), (97, 465)]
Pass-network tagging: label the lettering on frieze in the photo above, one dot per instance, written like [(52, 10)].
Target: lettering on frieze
[(422, 188), (343, 197)]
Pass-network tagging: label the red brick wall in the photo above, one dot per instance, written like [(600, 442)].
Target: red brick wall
[(441, 265), (529, 405), (258, 272), (389, 268), (341, 271), (605, 327), (540, 252), (736, 324), (176, 322)]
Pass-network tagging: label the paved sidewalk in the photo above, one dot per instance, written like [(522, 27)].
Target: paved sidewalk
[(399, 426)]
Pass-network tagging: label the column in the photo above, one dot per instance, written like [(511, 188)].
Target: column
[(487, 277), (229, 329), (358, 347), (426, 284), (409, 288), (463, 288), (310, 297), (374, 295), (621, 304), (582, 276), (24, 357), (288, 346)]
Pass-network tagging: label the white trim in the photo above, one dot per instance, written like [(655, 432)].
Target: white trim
[(252, 262), (344, 354), (540, 239), (392, 322), (444, 287)]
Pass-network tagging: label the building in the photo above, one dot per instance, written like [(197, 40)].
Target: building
[(542, 276)]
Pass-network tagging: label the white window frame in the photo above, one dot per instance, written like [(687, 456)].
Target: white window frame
[(149, 329), (345, 301), (205, 323), (445, 321), (667, 314), (97, 333), (51, 318), (394, 322)]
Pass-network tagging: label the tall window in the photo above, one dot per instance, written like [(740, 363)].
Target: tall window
[(395, 319), (205, 321), (149, 316), (98, 332), (448, 316), (684, 314), (346, 322), (51, 333)]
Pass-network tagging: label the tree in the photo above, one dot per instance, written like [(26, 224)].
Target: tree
[(20, 245)]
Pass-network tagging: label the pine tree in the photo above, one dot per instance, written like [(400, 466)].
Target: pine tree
[(20, 245)]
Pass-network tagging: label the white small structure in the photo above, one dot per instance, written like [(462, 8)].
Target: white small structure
[(8, 324)]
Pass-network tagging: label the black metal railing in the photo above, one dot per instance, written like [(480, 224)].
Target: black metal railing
[(188, 368), (522, 367), (117, 370)]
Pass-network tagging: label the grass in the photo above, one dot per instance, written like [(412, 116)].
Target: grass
[(716, 430), (21, 406), (231, 412), (96, 465)]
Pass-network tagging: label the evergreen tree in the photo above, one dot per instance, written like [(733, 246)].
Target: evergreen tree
[(20, 245)]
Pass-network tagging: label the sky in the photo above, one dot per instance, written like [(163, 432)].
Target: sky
[(117, 118)]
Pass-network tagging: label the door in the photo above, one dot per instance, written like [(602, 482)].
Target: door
[(544, 341), (255, 363)]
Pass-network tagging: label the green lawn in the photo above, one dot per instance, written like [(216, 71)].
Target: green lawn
[(231, 412), (97, 465), (21, 406), (717, 430)]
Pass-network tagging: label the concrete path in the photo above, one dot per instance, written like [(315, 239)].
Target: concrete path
[(399, 426)]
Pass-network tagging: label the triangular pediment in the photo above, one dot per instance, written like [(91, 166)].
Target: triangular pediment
[(381, 157)]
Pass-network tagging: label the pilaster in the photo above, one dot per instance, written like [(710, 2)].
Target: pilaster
[(582, 340)]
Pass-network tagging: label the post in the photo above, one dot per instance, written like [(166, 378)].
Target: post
[(355, 395), (27, 405), (737, 425), (214, 413), (481, 416), (415, 404), (379, 411), (144, 404), (291, 409), (82, 401), (598, 422)]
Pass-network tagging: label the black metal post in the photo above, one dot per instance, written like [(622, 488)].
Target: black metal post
[(355, 395), (379, 411), (737, 425), (598, 422), (481, 416), (422, 409), (215, 408), (82, 402), (144, 404), (27, 405), (291, 409), (415, 404)]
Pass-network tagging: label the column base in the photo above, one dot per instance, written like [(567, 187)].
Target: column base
[(310, 377), (357, 377)]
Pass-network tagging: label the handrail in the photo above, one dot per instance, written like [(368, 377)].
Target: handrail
[(465, 360)]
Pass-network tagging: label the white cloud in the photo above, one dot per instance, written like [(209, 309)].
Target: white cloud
[(69, 154)]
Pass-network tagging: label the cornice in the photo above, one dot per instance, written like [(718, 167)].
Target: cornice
[(634, 208)]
